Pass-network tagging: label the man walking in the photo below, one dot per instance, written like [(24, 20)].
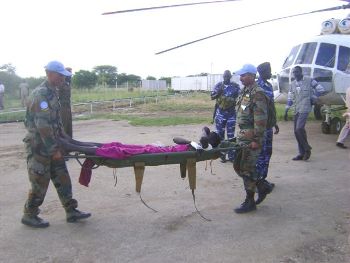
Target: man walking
[(24, 92), (300, 95), (45, 160), (251, 119), (225, 93)]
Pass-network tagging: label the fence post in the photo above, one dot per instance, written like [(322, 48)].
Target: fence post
[(91, 108), (130, 103), (113, 105)]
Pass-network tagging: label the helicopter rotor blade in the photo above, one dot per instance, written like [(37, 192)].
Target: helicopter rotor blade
[(253, 24), (166, 6)]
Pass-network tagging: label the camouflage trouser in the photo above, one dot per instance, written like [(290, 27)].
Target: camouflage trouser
[(66, 116), (263, 162), (245, 166), (226, 120), (41, 170)]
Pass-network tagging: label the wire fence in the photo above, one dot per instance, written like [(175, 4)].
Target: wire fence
[(89, 107)]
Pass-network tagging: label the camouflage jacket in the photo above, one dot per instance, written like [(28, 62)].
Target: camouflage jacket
[(43, 121), (252, 114)]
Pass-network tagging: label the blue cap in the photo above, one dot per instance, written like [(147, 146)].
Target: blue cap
[(247, 68), (56, 66)]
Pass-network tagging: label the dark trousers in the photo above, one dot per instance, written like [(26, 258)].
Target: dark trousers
[(262, 165), (300, 132)]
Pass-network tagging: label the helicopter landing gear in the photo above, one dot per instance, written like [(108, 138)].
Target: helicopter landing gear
[(331, 124)]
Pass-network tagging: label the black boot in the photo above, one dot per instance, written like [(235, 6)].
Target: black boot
[(74, 215), (34, 221), (264, 188), (248, 205)]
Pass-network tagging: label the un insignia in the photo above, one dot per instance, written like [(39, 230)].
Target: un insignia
[(44, 105)]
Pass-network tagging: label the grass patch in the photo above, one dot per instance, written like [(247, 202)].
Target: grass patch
[(103, 94), (15, 116), (149, 121)]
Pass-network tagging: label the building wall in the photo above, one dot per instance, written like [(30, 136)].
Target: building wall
[(153, 84), (204, 83)]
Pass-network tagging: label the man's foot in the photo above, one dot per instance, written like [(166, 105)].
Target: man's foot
[(298, 158), (264, 188), (307, 155), (34, 221), (74, 215), (247, 206), (341, 145)]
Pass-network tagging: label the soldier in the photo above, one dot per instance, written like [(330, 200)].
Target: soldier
[(263, 162), (64, 95), (302, 91), (226, 93), (251, 119), (44, 157)]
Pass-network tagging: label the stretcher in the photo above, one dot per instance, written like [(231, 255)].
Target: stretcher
[(187, 161)]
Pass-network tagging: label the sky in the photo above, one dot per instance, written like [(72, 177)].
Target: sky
[(74, 32)]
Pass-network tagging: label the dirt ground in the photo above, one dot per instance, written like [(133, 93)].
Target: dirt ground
[(305, 219)]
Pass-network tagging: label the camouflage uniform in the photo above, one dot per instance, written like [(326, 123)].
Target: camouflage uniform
[(225, 115), (251, 119), (43, 124), (64, 95)]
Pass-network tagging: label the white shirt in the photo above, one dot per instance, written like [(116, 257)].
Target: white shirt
[(2, 88)]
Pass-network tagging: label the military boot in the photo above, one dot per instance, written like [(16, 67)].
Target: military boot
[(248, 205), (264, 188), (34, 221), (74, 215)]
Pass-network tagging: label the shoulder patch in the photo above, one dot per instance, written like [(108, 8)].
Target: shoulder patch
[(44, 105)]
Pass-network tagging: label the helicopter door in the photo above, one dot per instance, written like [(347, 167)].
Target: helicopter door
[(342, 76)]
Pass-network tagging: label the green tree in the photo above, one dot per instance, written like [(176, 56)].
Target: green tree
[(84, 79), (34, 82), (167, 79), (131, 78), (9, 68), (151, 78), (106, 75)]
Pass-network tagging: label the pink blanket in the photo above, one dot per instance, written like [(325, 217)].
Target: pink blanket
[(117, 150)]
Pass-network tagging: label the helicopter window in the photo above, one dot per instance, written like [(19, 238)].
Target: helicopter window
[(323, 75), (326, 55), (290, 59), (306, 53), (344, 59)]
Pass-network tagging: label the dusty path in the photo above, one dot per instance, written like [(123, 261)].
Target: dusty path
[(305, 219)]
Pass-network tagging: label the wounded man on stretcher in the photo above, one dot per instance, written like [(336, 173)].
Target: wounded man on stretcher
[(117, 150), (118, 155)]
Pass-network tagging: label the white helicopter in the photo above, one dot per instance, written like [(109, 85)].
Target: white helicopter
[(325, 58)]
